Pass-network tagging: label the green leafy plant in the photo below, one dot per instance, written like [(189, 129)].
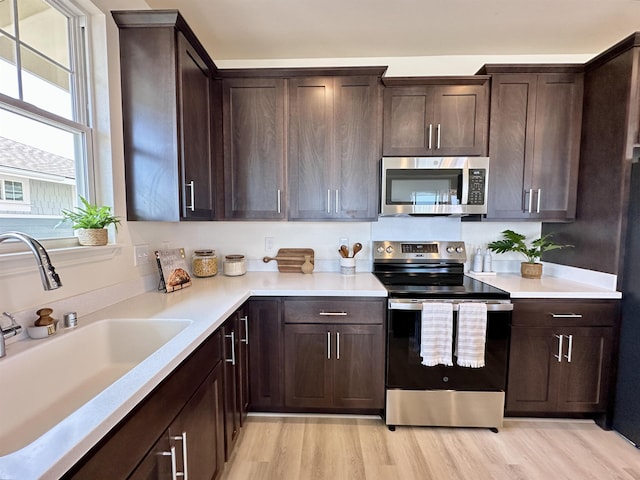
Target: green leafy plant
[(515, 242), (89, 216)]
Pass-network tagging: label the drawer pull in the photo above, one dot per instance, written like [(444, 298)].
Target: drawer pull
[(333, 314), (328, 345), (566, 315)]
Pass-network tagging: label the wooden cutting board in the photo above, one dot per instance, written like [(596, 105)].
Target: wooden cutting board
[(290, 260)]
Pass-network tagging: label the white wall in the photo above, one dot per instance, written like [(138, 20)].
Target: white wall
[(21, 291)]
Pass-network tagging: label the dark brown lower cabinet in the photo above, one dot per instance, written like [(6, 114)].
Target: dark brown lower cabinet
[(334, 366), (266, 388), (236, 377), (192, 445), (184, 413), (563, 363)]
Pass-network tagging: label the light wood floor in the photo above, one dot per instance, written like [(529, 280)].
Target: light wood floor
[(283, 448)]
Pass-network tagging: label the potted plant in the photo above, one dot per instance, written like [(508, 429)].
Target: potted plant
[(90, 221), (515, 242)]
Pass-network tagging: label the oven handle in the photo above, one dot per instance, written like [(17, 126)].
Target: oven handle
[(417, 305)]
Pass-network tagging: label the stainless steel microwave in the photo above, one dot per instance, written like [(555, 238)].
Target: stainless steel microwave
[(434, 185)]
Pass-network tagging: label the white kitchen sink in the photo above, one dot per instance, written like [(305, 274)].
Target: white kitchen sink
[(40, 386)]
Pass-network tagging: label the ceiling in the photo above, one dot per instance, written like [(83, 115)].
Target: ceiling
[(281, 29)]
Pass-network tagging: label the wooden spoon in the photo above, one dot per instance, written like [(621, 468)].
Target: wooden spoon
[(356, 248), (344, 251)]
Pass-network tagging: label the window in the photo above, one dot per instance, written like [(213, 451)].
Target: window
[(45, 139)]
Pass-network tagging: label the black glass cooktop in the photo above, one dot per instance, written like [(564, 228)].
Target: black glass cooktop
[(470, 288)]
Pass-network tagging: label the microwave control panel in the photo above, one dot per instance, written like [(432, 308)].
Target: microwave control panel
[(477, 186)]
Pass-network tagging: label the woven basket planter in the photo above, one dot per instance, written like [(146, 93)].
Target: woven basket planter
[(531, 270), (93, 236)]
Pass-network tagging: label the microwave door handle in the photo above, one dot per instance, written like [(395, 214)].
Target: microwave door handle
[(465, 187)]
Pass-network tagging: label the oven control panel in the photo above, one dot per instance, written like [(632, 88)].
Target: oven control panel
[(446, 251)]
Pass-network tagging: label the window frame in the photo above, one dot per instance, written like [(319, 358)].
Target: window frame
[(80, 93)]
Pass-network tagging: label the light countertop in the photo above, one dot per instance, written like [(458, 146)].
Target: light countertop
[(545, 287), (208, 303)]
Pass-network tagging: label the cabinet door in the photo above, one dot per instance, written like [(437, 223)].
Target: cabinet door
[(232, 413), (253, 113), (357, 125), (358, 369), (308, 365), (194, 89), (198, 431), (532, 370), (243, 363), (265, 355), (584, 380), (311, 148), (556, 145), (460, 120), (408, 127), (511, 145)]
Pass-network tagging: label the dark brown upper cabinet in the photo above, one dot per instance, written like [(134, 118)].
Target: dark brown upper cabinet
[(254, 149), (167, 114), (431, 116), (534, 143), (334, 147)]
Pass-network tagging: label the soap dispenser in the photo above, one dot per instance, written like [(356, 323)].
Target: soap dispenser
[(478, 261), (486, 265)]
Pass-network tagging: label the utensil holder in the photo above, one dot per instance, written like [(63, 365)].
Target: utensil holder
[(348, 266)]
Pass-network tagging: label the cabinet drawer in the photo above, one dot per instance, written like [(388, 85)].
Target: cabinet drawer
[(563, 312), (334, 310)]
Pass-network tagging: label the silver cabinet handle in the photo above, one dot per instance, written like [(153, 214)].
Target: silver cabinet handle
[(438, 136), (184, 474), (530, 199), (190, 185), (569, 349), (279, 201), (337, 201), (328, 345), (174, 468), (232, 360), (333, 314), (328, 201), (338, 346), (538, 203), (430, 132), (566, 315), (559, 355), (245, 340)]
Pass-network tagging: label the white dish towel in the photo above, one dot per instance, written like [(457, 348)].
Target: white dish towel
[(436, 334), (471, 335)]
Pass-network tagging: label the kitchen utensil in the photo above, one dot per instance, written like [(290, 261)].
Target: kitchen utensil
[(290, 260), (356, 248), (344, 251)]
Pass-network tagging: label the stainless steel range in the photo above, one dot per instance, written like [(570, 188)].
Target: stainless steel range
[(418, 274)]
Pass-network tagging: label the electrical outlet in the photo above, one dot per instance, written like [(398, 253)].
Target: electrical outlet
[(268, 244), (141, 254)]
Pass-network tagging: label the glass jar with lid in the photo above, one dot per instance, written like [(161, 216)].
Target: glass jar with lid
[(204, 263), (234, 265)]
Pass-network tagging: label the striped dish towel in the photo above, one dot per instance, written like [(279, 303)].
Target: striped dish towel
[(471, 335), (436, 335)]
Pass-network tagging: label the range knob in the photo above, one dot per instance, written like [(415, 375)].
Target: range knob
[(389, 249), (459, 249), (380, 250), (450, 249)]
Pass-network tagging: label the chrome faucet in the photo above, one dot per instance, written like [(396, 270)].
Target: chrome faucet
[(48, 275)]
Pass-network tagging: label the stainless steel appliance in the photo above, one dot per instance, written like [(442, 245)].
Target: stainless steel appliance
[(433, 271), (434, 185)]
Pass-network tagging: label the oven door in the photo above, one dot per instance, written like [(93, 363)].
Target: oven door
[(404, 363)]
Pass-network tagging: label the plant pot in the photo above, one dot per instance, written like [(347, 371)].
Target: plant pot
[(92, 236), (531, 270)]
